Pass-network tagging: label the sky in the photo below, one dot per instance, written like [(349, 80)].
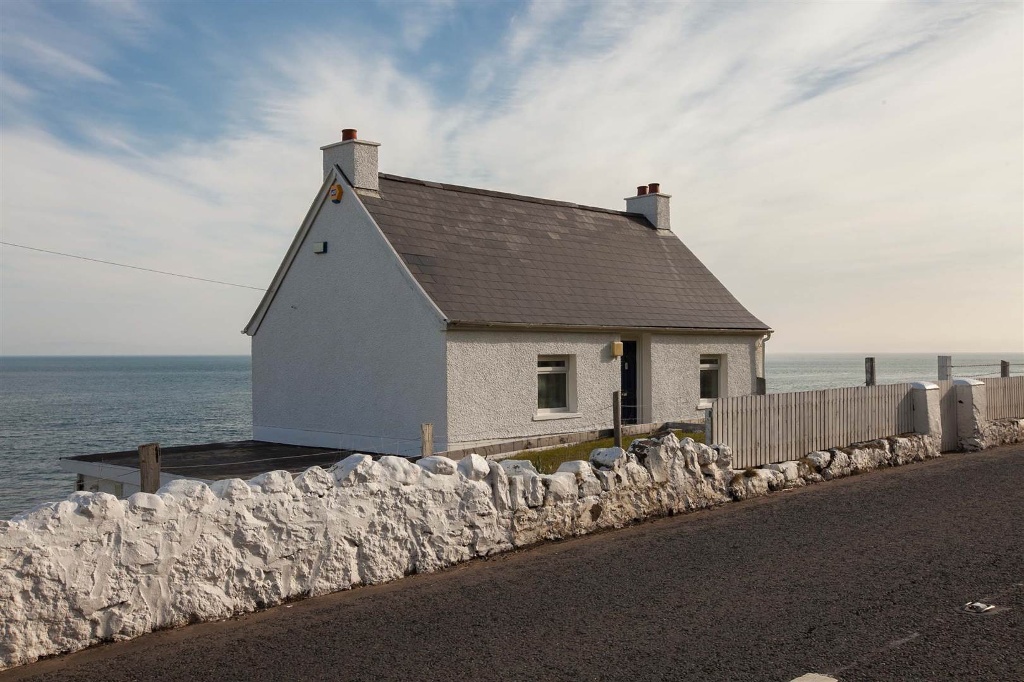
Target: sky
[(852, 171)]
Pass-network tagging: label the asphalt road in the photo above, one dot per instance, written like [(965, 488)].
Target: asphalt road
[(860, 578)]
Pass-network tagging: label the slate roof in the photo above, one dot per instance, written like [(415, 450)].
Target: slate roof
[(492, 258)]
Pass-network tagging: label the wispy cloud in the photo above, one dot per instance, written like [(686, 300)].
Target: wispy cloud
[(53, 61), (835, 164)]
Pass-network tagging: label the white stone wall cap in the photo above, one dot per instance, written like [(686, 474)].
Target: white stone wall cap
[(968, 382), (924, 385)]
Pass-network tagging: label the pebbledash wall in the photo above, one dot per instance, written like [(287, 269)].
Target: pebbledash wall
[(492, 379), (94, 568)]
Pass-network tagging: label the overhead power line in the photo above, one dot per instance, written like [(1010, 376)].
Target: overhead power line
[(133, 267)]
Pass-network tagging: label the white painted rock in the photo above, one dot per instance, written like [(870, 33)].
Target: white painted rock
[(437, 464), (724, 459), (314, 481), (514, 467), (474, 467), (400, 470), (820, 459), (353, 470), (270, 482), (561, 487), (610, 479), (907, 450), (838, 467), (608, 458), (790, 470), (867, 459), (750, 483), (658, 461), (705, 454), (498, 480), (584, 474)]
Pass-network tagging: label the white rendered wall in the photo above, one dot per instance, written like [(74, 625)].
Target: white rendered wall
[(675, 372), (492, 383), (492, 379), (351, 353)]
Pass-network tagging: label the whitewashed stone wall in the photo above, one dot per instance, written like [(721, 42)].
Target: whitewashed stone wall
[(1003, 432), (93, 568)]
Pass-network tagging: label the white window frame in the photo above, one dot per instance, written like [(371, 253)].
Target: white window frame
[(569, 370), (708, 361)]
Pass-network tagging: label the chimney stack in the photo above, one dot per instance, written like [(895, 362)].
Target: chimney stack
[(357, 160), (650, 203)]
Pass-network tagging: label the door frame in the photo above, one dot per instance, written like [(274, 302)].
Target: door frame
[(643, 378)]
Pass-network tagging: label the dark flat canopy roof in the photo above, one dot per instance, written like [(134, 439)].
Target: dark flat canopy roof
[(239, 459), (493, 258)]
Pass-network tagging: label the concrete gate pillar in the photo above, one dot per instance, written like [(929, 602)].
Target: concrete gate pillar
[(927, 417), (970, 413)]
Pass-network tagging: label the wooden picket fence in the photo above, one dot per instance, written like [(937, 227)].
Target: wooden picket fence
[(762, 429), (1004, 398)]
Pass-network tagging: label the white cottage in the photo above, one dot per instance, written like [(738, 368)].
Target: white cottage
[(492, 316)]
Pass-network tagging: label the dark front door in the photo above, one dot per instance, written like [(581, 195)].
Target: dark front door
[(630, 402)]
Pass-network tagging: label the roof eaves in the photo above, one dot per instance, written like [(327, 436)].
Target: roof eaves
[(479, 325), (293, 249)]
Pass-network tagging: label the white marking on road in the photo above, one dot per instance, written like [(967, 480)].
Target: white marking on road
[(815, 677), (886, 647)]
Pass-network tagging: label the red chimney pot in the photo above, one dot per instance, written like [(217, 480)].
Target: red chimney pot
[(348, 134), (641, 190), (654, 188)]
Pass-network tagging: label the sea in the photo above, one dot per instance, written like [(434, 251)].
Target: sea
[(53, 407)]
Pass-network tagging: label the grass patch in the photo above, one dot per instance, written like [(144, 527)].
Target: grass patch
[(548, 461)]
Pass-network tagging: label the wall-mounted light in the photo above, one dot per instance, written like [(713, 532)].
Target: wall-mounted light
[(616, 349)]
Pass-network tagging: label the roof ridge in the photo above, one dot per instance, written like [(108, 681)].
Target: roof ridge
[(506, 195)]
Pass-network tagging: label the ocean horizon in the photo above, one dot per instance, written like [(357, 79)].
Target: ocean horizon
[(60, 406)]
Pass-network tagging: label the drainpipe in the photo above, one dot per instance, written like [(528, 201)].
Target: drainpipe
[(762, 383)]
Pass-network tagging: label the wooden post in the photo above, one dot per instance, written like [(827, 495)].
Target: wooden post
[(709, 430), (869, 372), (149, 467), (426, 439), (617, 417), (1004, 368), (945, 367)]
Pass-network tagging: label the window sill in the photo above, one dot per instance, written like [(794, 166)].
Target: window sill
[(544, 416), (706, 403)]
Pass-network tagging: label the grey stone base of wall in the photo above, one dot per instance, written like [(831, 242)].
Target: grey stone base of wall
[(94, 568)]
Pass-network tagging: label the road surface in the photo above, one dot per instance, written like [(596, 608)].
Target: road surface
[(859, 578)]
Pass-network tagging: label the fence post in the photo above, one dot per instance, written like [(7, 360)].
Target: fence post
[(709, 427), (1004, 368), (149, 467), (426, 439), (945, 367), (617, 417), (869, 371)]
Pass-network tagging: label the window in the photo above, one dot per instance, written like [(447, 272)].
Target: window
[(709, 377), (553, 383)]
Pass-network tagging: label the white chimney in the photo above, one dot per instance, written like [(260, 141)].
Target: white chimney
[(650, 203), (357, 159)]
